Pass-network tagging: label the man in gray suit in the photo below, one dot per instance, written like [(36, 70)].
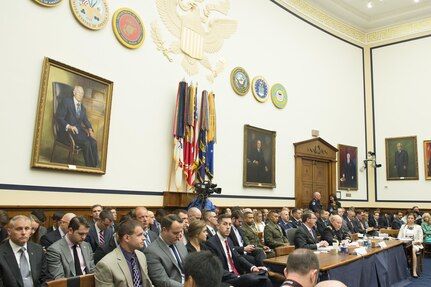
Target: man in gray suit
[(71, 255), (125, 266), (166, 255)]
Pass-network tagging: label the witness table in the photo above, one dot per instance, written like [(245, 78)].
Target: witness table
[(379, 267)]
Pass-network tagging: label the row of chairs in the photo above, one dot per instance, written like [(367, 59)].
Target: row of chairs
[(77, 281)]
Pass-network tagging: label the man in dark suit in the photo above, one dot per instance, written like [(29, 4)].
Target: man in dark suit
[(349, 221), (210, 219), (397, 223), (166, 255), (401, 158), (141, 214), (101, 232), (72, 118), (57, 234), (249, 252), (126, 265), (56, 219), (22, 263), (322, 221), (306, 236), (4, 219), (283, 221), (71, 256), (236, 270), (295, 220)]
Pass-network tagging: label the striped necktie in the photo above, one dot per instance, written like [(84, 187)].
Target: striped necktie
[(136, 272), (101, 238)]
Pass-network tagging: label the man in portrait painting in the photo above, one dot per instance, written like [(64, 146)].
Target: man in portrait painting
[(72, 119), (258, 170), (348, 178), (401, 161)]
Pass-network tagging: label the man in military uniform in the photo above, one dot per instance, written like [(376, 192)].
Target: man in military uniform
[(295, 221), (315, 204), (333, 232), (250, 234), (273, 235)]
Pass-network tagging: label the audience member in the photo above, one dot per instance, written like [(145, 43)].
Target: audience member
[(30, 268), (273, 234), (194, 213), (330, 283), (166, 255), (295, 220), (333, 204), (283, 221), (95, 211), (112, 269), (426, 227), (101, 231), (211, 222), (226, 210), (202, 269), (72, 248), (334, 232), (414, 232), (160, 213), (197, 235), (302, 269), (234, 266), (41, 218), (113, 210), (397, 223), (141, 214), (56, 219), (349, 221), (57, 234), (264, 215), (250, 235), (315, 204), (35, 229), (259, 224), (182, 214), (4, 219), (306, 236), (248, 251)]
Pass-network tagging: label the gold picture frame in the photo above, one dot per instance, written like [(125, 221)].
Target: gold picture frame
[(70, 136), (259, 157), (401, 158), (427, 159)]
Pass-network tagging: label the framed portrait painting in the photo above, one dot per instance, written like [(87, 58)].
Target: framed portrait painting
[(259, 157), (72, 120), (347, 167), (401, 158), (427, 159)]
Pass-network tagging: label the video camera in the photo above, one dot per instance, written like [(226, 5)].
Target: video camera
[(206, 188)]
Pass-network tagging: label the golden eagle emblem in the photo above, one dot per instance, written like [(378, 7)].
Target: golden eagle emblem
[(197, 32)]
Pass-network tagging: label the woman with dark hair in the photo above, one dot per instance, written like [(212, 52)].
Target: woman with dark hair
[(197, 235), (35, 228), (413, 232), (333, 204)]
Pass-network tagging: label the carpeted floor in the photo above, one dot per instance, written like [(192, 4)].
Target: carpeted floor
[(425, 278)]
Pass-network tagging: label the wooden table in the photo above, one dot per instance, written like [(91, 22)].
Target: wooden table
[(331, 263)]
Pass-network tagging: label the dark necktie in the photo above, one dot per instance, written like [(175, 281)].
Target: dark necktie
[(77, 263), (25, 269), (177, 257), (78, 110), (147, 241), (232, 265), (136, 272)]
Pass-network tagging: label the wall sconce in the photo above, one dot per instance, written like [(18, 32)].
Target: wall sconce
[(371, 158)]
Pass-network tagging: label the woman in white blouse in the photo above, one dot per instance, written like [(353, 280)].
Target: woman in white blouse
[(414, 232)]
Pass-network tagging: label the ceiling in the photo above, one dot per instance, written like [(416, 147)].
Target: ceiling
[(383, 13)]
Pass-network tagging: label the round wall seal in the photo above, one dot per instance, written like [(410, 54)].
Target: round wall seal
[(240, 81), (48, 3), (279, 95), (128, 28), (92, 14), (260, 88)]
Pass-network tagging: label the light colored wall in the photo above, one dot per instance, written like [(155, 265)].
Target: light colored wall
[(322, 74), (402, 100)]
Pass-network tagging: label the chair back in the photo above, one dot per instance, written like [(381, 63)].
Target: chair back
[(291, 235), (284, 250), (77, 281), (390, 232), (59, 92)]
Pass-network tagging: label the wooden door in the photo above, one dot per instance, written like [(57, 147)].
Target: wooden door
[(314, 177), (314, 171)]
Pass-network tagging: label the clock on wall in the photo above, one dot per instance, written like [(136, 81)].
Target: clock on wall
[(92, 14)]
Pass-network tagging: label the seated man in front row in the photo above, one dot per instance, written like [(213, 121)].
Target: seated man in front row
[(166, 255), (237, 271), (71, 255), (112, 269), (334, 231), (302, 269), (306, 236)]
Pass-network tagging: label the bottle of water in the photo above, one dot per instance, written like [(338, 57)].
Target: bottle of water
[(365, 241)]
